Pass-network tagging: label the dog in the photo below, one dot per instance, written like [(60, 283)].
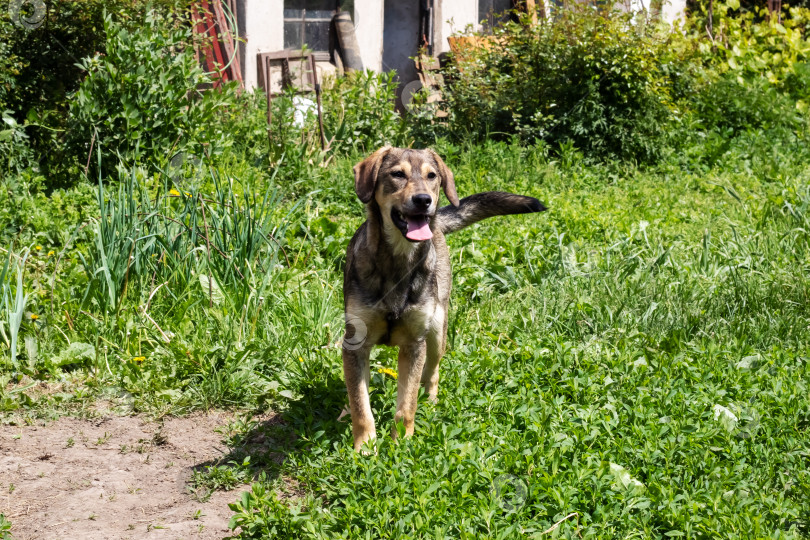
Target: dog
[(397, 279)]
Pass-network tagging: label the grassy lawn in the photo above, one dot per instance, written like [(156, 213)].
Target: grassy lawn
[(635, 360), (632, 363)]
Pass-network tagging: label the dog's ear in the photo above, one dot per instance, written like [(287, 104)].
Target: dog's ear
[(365, 174), (448, 183)]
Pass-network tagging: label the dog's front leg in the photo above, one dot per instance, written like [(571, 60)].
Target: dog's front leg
[(356, 375), (409, 367), (430, 374)]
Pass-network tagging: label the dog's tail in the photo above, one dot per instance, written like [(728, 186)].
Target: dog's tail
[(483, 205)]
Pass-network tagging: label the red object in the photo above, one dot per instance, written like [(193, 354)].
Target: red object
[(220, 48)]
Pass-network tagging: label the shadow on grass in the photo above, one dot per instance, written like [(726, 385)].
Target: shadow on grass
[(269, 440)]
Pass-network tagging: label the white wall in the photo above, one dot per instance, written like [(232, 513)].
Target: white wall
[(454, 16), (368, 27), (263, 23), (673, 10)]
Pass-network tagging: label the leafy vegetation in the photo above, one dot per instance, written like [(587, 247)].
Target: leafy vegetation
[(137, 106), (622, 86), (590, 354), (5, 527), (632, 363), (589, 77), (41, 45)]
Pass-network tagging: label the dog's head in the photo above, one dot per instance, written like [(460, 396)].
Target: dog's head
[(405, 183)]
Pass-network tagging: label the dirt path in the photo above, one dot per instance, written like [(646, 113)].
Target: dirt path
[(111, 478)]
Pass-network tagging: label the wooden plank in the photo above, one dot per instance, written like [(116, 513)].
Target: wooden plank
[(200, 29), (224, 36), (531, 9)]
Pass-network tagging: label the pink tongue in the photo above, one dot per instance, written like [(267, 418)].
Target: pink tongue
[(418, 228)]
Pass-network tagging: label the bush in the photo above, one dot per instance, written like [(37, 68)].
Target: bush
[(749, 45), (753, 76), (728, 105), (38, 50), (38, 65), (359, 112), (15, 152), (141, 101), (358, 117), (589, 77)]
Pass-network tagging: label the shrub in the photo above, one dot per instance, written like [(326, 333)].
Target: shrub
[(752, 76), (359, 112), (358, 117), (141, 101), (728, 105), (39, 49), (748, 44), (589, 77), (15, 152)]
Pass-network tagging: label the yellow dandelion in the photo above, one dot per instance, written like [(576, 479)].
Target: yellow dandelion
[(174, 193), (38, 248), (390, 372), (51, 253), (300, 359), (187, 194), (34, 316), (139, 359)]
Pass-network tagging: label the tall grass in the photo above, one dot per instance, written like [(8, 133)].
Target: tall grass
[(13, 301), (165, 244)]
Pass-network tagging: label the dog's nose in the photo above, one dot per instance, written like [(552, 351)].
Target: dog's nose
[(422, 200)]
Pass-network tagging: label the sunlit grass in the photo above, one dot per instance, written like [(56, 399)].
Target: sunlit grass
[(632, 363)]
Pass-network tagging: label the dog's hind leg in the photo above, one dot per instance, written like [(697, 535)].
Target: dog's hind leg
[(356, 375), (409, 371), (436, 344)]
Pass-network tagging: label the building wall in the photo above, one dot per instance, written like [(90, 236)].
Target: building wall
[(368, 25), (386, 30), (673, 10), (453, 16), (263, 24)]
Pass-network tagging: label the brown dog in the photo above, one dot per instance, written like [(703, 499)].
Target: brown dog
[(397, 280)]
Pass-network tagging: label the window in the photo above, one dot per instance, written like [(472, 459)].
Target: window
[(493, 12), (306, 22)]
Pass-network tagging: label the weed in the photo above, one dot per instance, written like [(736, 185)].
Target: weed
[(13, 301), (5, 528), (203, 483)]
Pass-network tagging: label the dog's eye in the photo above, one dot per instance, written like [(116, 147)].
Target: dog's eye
[(398, 174), (431, 175)]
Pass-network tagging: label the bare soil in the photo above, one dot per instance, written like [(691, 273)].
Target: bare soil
[(112, 478)]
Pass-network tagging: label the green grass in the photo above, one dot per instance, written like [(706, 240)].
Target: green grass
[(594, 351), (597, 351)]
